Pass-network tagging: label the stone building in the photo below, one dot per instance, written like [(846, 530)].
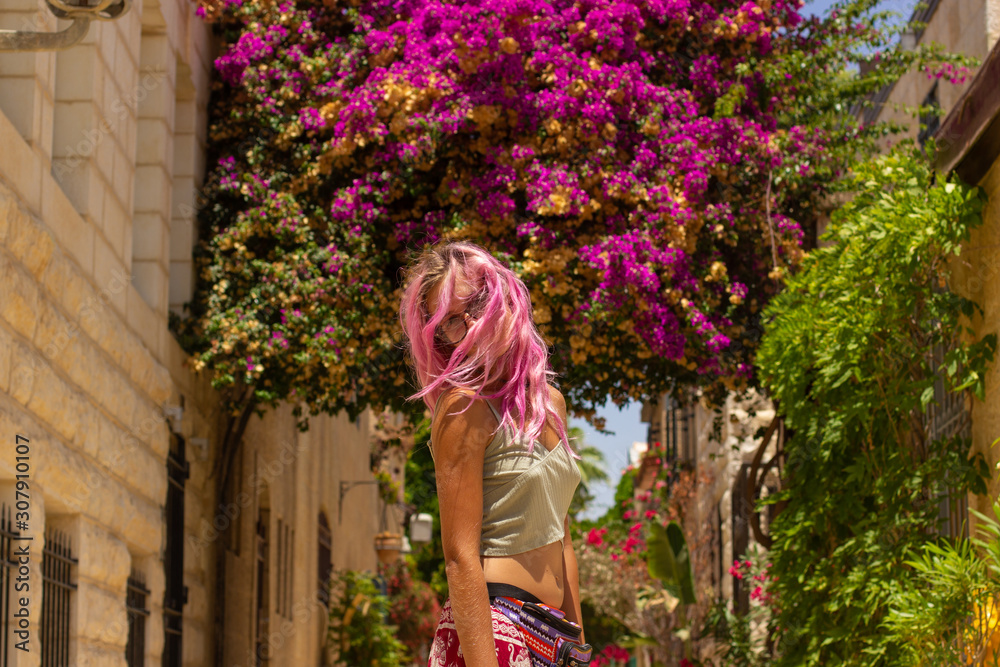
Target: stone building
[(102, 153), (968, 27), (735, 462)]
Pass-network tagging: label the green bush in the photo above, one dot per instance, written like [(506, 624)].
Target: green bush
[(847, 356), (358, 632), (946, 613)]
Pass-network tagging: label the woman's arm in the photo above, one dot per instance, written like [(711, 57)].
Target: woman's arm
[(571, 594), (459, 444), (571, 589)]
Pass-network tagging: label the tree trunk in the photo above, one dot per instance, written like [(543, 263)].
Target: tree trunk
[(232, 439)]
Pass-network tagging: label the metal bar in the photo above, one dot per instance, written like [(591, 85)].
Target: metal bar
[(18, 40), (135, 605), (63, 556), (64, 604), (46, 611), (346, 486), (60, 567)]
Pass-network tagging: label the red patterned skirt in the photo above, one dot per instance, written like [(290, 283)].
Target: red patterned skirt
[(445, 651)]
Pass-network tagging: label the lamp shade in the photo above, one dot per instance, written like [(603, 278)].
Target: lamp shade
[(421, 528)]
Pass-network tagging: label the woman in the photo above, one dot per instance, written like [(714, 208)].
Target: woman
[(505, 471)]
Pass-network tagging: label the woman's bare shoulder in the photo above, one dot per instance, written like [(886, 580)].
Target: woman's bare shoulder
[(558, 400), (454, 413)]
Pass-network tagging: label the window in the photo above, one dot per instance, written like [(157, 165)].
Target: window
[(930, 118), (7, 536), (947, 416), (262, 650), (324, 560), (135, 606), (675, 430), (175, 593), (57, 589), (286, 539)]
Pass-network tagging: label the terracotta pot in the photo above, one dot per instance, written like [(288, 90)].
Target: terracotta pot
[(388, 547)]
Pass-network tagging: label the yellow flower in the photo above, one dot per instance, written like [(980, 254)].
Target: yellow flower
[(484, 115), (990, 634), (717, 271)]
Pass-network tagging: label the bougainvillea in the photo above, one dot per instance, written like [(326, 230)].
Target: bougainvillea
[(649, 169)]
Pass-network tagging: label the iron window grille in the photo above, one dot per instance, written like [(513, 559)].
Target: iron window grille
[(262, 649), (286, 538), (57, 591), (324, 560), (175, 592), (7, 568), (677, 432), (947, 416), (135, 606)]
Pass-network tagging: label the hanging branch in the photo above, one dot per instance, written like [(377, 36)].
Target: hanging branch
[(770, 225), (236, 423)]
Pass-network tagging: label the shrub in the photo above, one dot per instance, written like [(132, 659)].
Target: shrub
[(847, 354), (358, 632)]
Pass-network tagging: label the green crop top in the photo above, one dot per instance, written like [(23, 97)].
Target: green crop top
[(525, 496)]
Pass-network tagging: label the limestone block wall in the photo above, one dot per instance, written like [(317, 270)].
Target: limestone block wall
[(86, 389), (101, 156), (83, 386), (28, 80)]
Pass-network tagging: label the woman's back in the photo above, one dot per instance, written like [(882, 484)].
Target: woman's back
[(525, 499)]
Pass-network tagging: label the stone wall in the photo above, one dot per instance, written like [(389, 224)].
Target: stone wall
[(721, 442), (85, 388), (101, 155)]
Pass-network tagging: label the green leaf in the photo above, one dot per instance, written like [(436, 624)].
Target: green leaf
[(926, 397), (669, 561)]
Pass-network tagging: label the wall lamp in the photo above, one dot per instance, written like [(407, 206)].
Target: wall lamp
[(80, 12)]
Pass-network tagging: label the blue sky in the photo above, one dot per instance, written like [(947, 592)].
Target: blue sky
[(625, 423), (904, 7), (628, 429)]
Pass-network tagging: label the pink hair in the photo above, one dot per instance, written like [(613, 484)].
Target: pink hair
[(506, 322)]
